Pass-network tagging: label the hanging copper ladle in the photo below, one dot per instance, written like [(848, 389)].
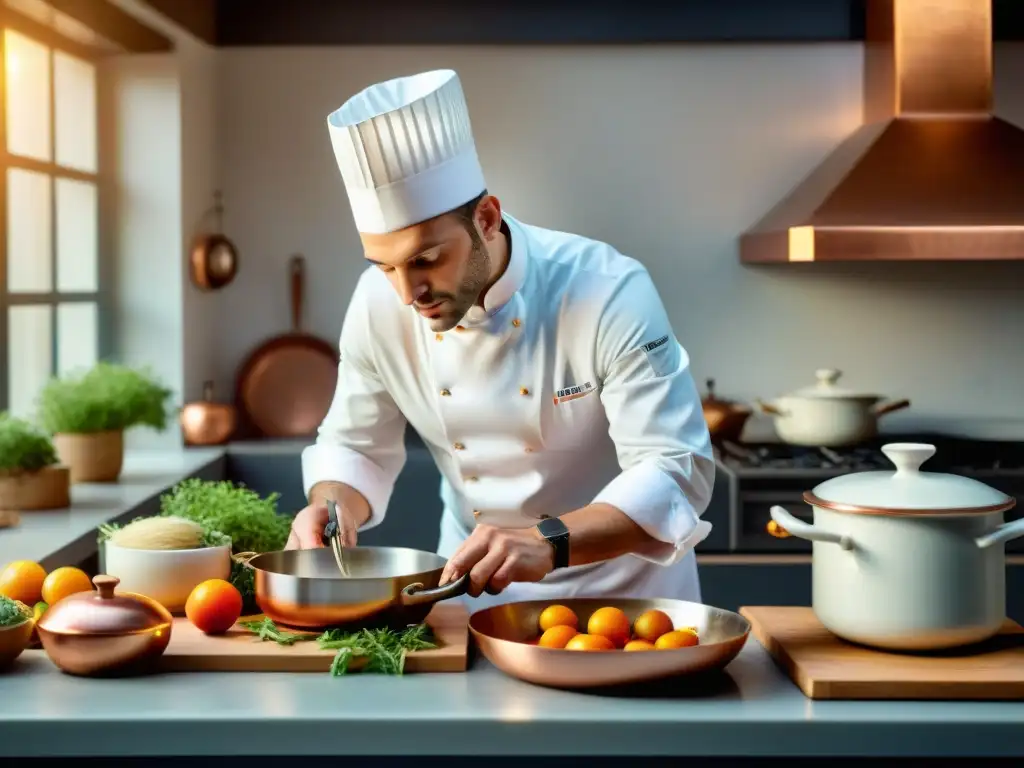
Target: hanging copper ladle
[(214, 259)]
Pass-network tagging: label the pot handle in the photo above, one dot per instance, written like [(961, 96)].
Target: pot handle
[(807, 531), (415, 594), (244, 558), (768, 408), (894, 405), (1003, 533)]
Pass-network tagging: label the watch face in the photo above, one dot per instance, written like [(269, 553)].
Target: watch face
[(552, 527)]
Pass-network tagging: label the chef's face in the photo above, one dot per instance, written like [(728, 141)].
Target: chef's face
[(441, 267)]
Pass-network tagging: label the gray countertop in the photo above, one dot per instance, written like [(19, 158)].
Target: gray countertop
[(750, 710)]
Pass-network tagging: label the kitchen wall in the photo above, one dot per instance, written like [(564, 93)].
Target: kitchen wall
[(667, 152), (161, 138)]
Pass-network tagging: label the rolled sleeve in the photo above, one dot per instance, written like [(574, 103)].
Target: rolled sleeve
[(656, 422), (361, 441)]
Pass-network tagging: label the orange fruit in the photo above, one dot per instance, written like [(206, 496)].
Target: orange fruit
[(63, 582), (680, 638), (558, 616), (214, 606), (651, 625), (611, 623), (22, 580), (557, 637), (590, 643), (639, 645)]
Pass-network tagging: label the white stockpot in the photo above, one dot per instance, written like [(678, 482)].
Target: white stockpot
[(905, 559), (828, 415)]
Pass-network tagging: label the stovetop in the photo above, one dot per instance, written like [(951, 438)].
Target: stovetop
[(957, 455)]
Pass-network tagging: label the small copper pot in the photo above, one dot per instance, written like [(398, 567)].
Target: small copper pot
[(206, 422), (104, 633), (725, 418)]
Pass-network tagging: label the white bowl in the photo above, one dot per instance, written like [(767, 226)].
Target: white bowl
[(166, 575)]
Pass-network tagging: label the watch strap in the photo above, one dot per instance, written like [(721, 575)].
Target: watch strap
[(557, 535)]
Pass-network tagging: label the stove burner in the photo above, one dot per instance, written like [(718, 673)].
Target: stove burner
[(959, 456), (795, 457)]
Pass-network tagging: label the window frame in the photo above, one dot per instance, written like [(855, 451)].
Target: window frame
[(101, 297)]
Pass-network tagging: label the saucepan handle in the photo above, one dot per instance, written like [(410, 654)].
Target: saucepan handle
[(803, 530), (1003, 533), (244, 558), (415, 594)]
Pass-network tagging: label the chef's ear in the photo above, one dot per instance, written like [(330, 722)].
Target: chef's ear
[(488, 217)]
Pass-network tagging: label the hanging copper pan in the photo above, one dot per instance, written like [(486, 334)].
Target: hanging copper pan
[(213, 262), (286, 385)]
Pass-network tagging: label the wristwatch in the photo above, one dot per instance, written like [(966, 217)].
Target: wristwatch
[(557, 535)]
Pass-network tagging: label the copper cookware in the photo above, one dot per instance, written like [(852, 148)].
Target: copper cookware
[(206, 422), (286, 385), (503, 633), (213, 262), (105, 633), (725, 418), (386, 585)]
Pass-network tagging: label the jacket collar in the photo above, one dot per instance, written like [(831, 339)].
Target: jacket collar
[(511, 280)]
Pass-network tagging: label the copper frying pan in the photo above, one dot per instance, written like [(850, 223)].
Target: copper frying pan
[(286, 385)]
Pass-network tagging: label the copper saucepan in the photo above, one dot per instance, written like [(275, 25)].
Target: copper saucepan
[(503, 634), (213, 262), (386, 585)]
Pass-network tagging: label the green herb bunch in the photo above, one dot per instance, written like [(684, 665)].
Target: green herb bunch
[(23, 447), (252, 523), (13, 613), (107, 397), (384, 650)]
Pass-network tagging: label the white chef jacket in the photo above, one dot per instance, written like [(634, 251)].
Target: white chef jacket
[(568, 387)]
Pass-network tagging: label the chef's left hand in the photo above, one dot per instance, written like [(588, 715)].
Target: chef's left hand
[(495, 557)]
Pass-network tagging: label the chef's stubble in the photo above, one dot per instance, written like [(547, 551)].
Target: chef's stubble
[(478, 270)]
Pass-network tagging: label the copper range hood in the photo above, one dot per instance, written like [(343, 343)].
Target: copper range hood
[(933, 174)]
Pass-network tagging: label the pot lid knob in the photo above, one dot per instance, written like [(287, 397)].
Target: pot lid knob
[(908, 457), (827, 377)]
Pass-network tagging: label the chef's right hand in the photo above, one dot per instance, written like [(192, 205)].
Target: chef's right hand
[(309, 524)]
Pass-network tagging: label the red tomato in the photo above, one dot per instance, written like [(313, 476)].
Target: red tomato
[(214, 606)]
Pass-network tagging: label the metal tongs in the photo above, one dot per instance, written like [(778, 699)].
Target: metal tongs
[(332, 537)]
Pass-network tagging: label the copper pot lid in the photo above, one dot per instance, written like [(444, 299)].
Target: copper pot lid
[(907, 490), (104, 612)]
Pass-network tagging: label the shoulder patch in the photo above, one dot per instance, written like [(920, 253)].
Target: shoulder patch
[(659, 355)]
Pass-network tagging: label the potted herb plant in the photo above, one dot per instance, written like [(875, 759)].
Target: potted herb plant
[(88, 413), (30, 476)]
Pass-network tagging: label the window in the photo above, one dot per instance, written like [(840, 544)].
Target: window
[(49, 209)]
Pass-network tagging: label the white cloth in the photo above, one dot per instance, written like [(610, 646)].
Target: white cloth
[(568, 387), (405, 150)]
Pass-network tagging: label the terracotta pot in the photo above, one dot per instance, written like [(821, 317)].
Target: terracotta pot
[(47, 488), (93, 458)]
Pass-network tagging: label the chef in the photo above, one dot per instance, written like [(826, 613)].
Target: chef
[(539, 367)]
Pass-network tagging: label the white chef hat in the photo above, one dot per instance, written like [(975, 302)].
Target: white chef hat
[(405, 150)]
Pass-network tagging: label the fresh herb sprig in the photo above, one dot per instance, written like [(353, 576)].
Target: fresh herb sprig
[(383, 649)]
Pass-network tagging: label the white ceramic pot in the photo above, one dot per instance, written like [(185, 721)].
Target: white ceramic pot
[(905, 559), (165, 575), (827, 415)]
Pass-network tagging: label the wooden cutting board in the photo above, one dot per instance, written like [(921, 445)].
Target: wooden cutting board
[(239, 650), (825, 667)]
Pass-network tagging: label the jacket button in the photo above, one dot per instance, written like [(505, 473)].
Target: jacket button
[(524, 391), (460, 328), (516, 322), (458, 446), (445, 392), (477, 513), (439, 336)]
